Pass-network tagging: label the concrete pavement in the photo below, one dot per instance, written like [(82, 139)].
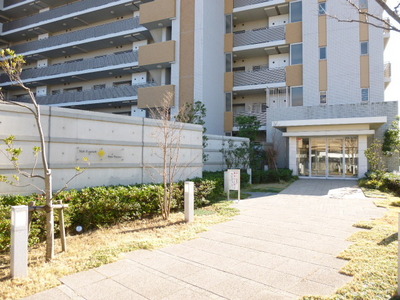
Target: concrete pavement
[(279, 247)]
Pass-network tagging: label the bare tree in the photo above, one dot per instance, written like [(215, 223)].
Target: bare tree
[(169, 134), (372, 19), (12, 65)]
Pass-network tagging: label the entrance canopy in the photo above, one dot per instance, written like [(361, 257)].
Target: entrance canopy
[(330, 127)]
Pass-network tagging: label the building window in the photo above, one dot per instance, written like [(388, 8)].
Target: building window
[(364, 48), (322, 8), (364, 95), (322, 97), (363, 4), (297, 96), (296, 13), (99, 86), (228, 102), (228, 62), (322, 53), (122, 83), (264, 107), (296, 54), (228, 24)]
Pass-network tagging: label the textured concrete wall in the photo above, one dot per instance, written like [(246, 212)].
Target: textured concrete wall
[(371, 109), (121, 149)]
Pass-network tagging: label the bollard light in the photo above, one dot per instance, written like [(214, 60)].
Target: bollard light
[(189, 201), (19, 241)]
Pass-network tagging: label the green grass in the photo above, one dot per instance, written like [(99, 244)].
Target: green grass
[(372, 257), (267, 187)]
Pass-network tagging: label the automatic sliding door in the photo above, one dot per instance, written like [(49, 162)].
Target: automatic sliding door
[(318, 157), (335, 157)]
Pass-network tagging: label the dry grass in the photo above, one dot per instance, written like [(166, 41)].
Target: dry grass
[(372, 257), (103, 246)]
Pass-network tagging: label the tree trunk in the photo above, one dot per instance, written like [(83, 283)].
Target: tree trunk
[(49, 217)]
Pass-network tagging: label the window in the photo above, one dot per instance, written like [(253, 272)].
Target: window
[(363, 4), (239, 69), (228, 24), (295, 12), (228, 102), (99, 86), (122, 83), (364, 48), (228, 62), (322, 52), (322, 8), (322, 97), (296, 54), (364, 95), (297, 96), (264, 107)]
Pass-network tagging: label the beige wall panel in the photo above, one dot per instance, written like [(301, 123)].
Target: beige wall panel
[(294, 75), (228, 82), (228, 7), (157, 53), (322, 38), (157, 10), (364, 71), (294, 32), (153, 96), (364, 29), (323, 75), (228, 42), (228, 124), (186, 69)]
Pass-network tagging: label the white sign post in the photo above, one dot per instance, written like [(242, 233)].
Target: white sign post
[(232, 182), (19, 241)]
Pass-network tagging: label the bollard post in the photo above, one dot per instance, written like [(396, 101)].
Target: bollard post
[(189, 201), (19, 241), (398, 259)]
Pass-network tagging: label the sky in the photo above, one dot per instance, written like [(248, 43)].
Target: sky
[(392, 54)]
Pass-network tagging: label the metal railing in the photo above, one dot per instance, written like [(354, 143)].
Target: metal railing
[(89, 95), (261, 35), (79, 35), (11, 2), (84, 64), (263, 76), (240, 3), (261, 116), (57, 12)]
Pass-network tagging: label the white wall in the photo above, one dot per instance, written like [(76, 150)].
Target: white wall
[(121, 149)]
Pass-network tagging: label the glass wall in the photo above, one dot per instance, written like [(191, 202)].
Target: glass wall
[(327, 157)]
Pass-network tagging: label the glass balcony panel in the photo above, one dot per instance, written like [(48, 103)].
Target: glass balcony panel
[(261, 35)]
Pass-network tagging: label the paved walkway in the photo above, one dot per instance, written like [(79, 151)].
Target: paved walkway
[(280, 247)]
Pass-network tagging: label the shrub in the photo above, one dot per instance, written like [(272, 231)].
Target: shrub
[(270, 176)]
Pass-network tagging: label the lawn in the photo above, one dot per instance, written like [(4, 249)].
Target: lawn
[(373, 256), (106, 245), (267, 187)]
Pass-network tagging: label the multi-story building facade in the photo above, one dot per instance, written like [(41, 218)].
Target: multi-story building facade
[(315, 84)]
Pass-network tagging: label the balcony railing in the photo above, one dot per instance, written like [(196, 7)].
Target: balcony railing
[(240, 3), (261, 35), (11, 2), (58, 12), (88, 95), (261, 116), (79, 35), (76, 66), (264, 76)]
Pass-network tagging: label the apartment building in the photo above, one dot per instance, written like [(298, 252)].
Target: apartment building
[(315, 84)]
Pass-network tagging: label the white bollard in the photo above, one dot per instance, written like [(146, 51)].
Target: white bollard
[(398, 259), (189, 201), (19, 241)]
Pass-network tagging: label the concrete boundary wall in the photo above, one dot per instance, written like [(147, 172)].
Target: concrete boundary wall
[(215, 143), (121, 149)]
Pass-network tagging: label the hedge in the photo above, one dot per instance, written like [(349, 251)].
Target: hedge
[(387, 182), (97, 207), (270, 176)]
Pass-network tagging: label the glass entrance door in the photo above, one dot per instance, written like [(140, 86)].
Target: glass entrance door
[(327, 157)]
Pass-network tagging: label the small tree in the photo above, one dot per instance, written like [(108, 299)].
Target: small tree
[(12, 65), (374, 156), (391, 141), (235, 156), (169, 134)]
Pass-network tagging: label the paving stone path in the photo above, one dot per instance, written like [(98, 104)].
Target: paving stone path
[(279, 247)]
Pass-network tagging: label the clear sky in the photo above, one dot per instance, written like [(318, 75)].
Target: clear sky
[(392, 54)]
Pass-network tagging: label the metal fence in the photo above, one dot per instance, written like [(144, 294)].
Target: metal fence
[(264, 76), (261, 35), (240, 3)]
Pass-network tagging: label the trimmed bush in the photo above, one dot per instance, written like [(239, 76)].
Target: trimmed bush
[(386, 182), (97, 207), (270, 176)]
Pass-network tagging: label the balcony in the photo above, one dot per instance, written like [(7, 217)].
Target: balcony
[(261, 77), (261, 116), (158, 13), (93, 35), (158, 55), (75, 14), (15, 9), (258, 36), (153, 96), (114, 94), (387, 73), (53, 73), (241, 3)]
